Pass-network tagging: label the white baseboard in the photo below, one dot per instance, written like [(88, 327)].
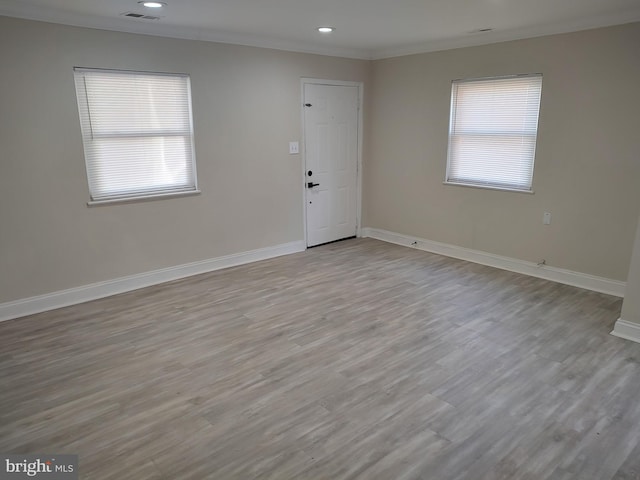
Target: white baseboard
[(627, 330), (85, 293), (560, 275)]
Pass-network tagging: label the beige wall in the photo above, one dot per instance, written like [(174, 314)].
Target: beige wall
[(587, 171), (631, 304), (246, 110), (246, 104)]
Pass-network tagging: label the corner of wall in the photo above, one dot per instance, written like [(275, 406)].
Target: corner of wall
[(627, 330)]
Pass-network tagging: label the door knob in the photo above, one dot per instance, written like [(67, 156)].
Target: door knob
[(311, 184)]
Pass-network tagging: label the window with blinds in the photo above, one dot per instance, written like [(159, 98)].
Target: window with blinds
[(492, 132), (137, 131)]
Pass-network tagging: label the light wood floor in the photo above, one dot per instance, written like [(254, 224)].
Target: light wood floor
[(358, 359)]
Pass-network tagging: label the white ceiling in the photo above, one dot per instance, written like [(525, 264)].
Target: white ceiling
[(364, 28)]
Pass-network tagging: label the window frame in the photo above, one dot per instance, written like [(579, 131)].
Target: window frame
[(83, 102), (452, 115)]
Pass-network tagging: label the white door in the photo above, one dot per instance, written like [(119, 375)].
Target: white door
[(331, 153)]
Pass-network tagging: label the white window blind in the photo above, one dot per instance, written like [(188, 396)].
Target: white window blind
[(492, 132), (137, 131)]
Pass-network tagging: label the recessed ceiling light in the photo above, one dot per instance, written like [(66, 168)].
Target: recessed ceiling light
[(326, 29), (153, 4)]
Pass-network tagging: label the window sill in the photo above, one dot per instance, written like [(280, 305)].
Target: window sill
[(488, 187), (142, 198)]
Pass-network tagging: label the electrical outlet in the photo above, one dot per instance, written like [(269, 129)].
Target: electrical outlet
[(294, 147)]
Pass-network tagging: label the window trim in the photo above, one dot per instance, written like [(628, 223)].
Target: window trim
[(489, 186), (149, 194), (144, 198)]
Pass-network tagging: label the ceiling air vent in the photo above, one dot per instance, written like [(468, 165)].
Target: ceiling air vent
[(141, 16), (481, 30)]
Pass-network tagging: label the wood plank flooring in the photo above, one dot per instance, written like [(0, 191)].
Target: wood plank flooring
[(355, 360)]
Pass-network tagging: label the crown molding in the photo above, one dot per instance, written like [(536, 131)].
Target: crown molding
[(478, 39), (18, 9), (13, 8)]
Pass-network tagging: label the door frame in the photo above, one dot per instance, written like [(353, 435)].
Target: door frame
[(337, 83)]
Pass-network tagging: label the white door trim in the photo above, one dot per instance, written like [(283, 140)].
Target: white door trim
[(341, 83)]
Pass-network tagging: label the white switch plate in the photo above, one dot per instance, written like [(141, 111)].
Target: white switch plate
[(294, 147), (546, 218)]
